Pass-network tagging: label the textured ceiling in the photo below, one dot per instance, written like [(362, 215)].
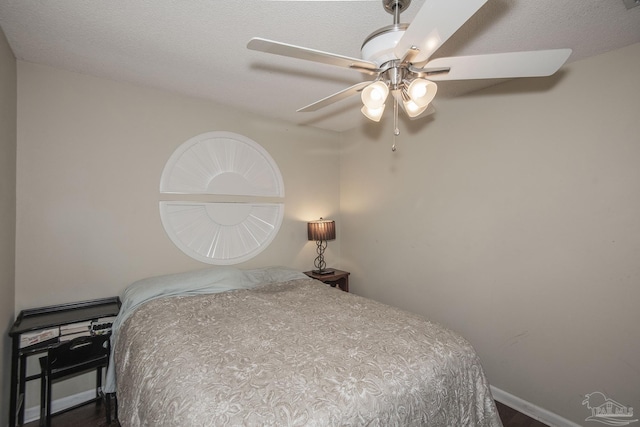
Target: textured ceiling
[(198, 47)]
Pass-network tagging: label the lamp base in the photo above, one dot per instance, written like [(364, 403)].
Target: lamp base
[(325, 271)]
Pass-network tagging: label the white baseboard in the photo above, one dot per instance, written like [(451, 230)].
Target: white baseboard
[(33, 413), (520, 405), (531, 410)]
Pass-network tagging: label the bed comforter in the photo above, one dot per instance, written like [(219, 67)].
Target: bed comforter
[(294, 353)]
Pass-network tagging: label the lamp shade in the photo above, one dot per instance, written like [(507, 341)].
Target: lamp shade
[(323, 229)]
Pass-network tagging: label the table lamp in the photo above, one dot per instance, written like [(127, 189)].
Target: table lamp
[(321, 231)]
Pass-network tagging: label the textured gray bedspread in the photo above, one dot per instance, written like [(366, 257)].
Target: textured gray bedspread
[(298, 353)]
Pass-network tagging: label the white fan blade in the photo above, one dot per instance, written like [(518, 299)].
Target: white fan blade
[(499, 65), (284, 49), (435, 22), (352, 90)]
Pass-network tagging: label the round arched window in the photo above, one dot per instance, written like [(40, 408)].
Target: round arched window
[(221, 217)]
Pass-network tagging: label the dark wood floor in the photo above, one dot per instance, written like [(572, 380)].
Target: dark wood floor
[(512, 418), (94, 416)]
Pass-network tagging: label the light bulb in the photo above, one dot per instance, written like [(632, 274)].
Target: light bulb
[(374, 114), (374, 95), (422, 91)]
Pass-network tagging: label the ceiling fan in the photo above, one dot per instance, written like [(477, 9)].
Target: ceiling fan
[(398, 56)]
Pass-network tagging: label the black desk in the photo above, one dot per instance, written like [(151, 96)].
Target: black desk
[(40, 319)]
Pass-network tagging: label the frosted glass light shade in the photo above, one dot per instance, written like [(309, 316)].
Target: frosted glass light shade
[(412, 109), (422, 91), (375, 95), (374, 114)]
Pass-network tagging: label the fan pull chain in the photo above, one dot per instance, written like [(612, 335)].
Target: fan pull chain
[(396, 130)]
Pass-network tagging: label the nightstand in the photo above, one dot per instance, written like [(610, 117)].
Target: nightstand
[(337, 278), (37, 329)]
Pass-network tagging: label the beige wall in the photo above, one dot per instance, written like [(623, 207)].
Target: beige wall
[(514, 218), (90, 155), (7, 212)]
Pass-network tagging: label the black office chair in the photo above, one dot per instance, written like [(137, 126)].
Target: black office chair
[(82, 354)]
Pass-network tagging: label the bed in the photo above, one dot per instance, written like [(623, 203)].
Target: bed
[(271, 346)]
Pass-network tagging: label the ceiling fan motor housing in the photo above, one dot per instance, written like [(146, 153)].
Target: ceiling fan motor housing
[(378, 46)]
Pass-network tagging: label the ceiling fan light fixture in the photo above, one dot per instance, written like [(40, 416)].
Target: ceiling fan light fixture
[(422, 91), (399, 58), (375, 95), (374, 114)]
